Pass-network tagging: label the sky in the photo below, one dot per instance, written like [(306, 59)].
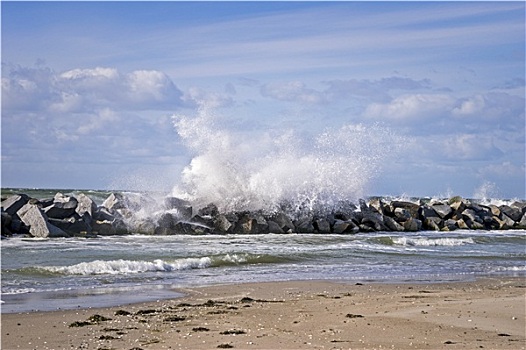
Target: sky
[(90, 89)]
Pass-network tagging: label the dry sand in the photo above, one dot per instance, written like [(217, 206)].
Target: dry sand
[(487, 314)]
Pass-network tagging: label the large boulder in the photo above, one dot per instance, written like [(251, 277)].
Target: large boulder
[(181, 208), (392, 225), (38, 223), (283, 221), (222, 224), (443, 210), (322, 225), (62, 207), (86, 207), (410, 207), (73, 225), (304, 225), (512, 212)]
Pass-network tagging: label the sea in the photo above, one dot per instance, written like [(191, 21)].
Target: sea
[(69, 273)]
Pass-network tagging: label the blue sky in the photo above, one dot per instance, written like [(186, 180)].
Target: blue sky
[(89, 89)]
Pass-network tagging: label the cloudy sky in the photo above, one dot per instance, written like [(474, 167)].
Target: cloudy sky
[(89, 89)]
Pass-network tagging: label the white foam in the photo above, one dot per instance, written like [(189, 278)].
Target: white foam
[(117, 267)]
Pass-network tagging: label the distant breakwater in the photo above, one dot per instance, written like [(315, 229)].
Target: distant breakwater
[(122, 214)]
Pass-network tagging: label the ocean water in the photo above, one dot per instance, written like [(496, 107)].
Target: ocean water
[(237, 169), (87, 272)]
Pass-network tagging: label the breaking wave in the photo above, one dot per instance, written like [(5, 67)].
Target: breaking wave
[(125, 267)]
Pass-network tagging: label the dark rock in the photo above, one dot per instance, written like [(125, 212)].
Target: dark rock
[(103, 214), (73, 225), (62, 207), (374, 220), (273, 227), (13, 204), (512, 212), (249, 223), (191, 228), (166, 224), (182, 208), (283, 221), (210, 210), (7, 219), (322, 226), (304, 225), (203, 220)]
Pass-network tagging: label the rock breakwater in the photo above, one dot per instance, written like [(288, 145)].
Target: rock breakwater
[(121, 214)]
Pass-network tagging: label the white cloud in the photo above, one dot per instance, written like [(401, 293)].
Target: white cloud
[(293, 91), (87, 90), (411, 107), (470, 147)]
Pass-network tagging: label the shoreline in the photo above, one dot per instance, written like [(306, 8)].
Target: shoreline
[(485, 313)]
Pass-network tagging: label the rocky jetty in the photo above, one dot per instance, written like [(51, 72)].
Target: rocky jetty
[(119, 214)]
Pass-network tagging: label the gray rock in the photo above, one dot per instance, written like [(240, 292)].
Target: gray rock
[(508, 222), (412, 225), (86, 207), (39, 225), (402, 214), (471, 215), (304, 225), (449, 225), (283, 221), (443, 210), (322, 226), (432, 224), (522, 223), (412, 208), (392, 225), (374, 220), (273, 227), (114, 201), (221, 224)]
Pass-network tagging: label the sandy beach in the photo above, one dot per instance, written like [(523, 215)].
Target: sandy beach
[(488, 313)]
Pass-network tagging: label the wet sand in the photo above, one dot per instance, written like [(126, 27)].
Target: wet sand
[(486, 314)]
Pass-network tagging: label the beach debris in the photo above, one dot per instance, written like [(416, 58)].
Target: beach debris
[(233, 332), (353, 316), (225, 346)]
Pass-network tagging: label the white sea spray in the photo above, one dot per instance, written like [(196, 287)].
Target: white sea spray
[(247, 171)]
